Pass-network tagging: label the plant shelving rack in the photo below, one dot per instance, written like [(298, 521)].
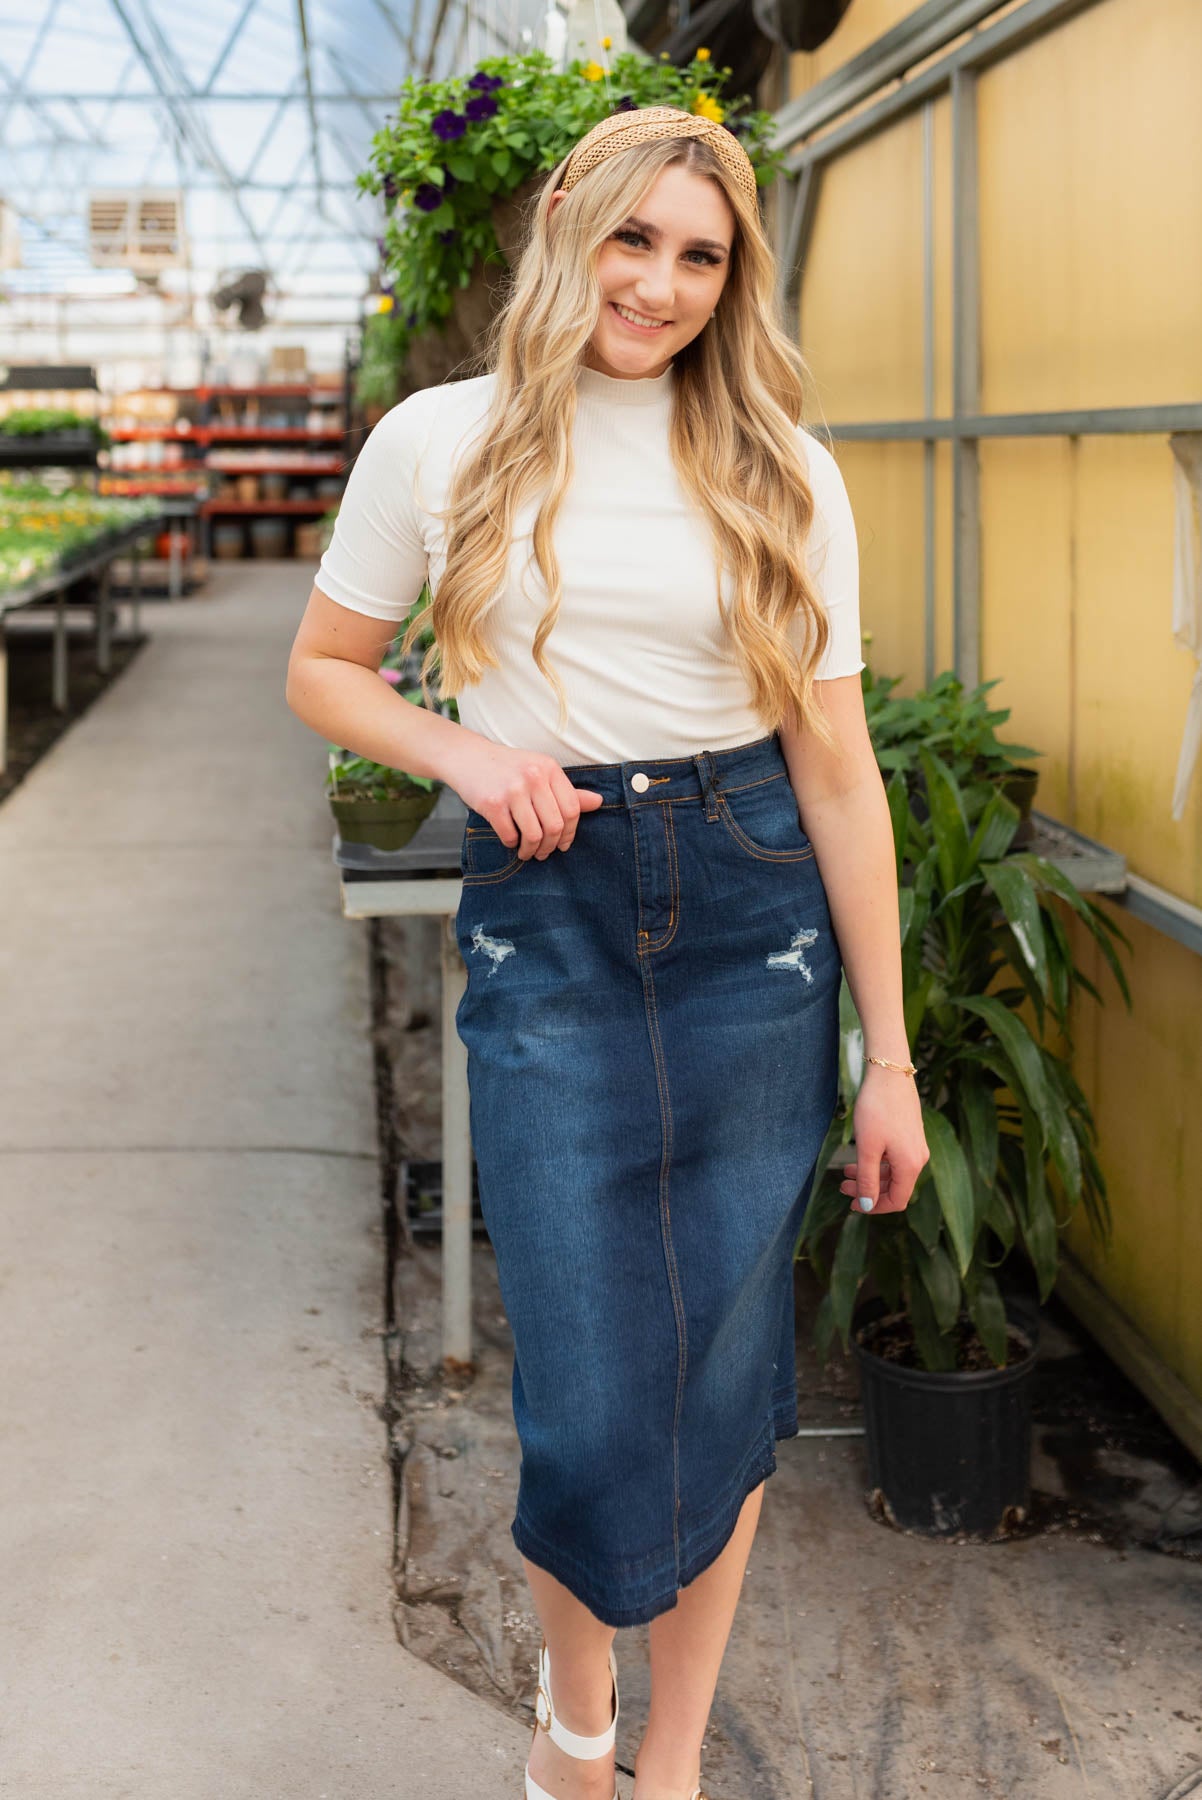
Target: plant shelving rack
[(65, 449), (291, 434), (226, 439)]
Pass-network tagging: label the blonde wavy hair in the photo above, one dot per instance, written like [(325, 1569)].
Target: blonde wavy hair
[(738, 397)]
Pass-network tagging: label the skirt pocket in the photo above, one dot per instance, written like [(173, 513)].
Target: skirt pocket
[(485, 858), (762, 819)]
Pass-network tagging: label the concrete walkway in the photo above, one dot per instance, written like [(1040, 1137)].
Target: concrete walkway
[(194, 1499)]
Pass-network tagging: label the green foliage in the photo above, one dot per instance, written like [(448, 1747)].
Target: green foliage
[(38, 421), (954, 726), (446, 157), (988, 987), (380, 360), (41, 529), (349, 776)]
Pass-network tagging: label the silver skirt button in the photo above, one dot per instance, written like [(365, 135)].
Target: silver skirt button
[(640, 782)]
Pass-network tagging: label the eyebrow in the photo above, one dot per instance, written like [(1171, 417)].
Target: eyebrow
[(697, 243)]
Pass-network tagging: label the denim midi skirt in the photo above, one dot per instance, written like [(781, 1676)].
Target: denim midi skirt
[(651, 1024)]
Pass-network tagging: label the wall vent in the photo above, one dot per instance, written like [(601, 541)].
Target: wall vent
[(140, 229)]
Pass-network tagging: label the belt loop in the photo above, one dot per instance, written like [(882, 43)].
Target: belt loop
[(708, 776)]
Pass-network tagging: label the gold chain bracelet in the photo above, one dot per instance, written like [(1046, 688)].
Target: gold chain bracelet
[(902, 1068)]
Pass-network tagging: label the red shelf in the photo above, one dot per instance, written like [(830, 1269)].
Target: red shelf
[(288, 389), (318, 465), (164, 469), (264, 434), (163, 434), (164, 489), (268, 506)]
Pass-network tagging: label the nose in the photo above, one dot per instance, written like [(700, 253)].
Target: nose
[(656, 286)]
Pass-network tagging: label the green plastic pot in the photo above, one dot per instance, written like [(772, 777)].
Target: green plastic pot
[(386, 824)]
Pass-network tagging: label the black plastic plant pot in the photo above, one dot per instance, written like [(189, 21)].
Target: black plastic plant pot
[(948, 1454), (387, 824)]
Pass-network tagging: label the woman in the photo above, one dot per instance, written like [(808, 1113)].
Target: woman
[(644, 581)]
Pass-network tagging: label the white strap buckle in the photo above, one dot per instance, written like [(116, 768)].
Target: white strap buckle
[(586, 1748)]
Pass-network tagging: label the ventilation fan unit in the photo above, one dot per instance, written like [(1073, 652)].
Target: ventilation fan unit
[(10, 238), (138, 228), (243, 288)]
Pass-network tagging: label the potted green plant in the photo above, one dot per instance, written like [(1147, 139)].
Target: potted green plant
[(458, 165), (959, 727), (989, 984), (376, 805), (372, 803)]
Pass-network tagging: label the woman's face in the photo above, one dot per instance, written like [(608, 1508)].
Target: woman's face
[(661, 273)]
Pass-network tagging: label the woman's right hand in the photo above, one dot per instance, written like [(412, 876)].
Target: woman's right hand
[(524, 795)]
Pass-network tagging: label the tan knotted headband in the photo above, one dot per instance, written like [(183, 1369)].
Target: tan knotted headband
[(643, 124)]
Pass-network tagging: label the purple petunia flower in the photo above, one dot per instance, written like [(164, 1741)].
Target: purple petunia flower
[(625, 104), (448, 124), (448, 236), (411, 319), (390, 188), (427, 198), (483, 106), (485, 84)]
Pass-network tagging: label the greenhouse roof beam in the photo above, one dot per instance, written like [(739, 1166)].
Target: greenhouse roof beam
[(58, 138), (368, 112), (440, 19), (311, 107), (188, 131), (194, 97), (246, 179), (394, 25), (226, 48), (19, 82)]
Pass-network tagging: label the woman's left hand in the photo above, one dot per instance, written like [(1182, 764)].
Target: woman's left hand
[(891, 1145)]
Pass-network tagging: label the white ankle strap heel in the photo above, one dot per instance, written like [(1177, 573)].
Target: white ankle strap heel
[(570, 1741)]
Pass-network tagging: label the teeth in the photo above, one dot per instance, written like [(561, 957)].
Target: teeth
[(637, 318)]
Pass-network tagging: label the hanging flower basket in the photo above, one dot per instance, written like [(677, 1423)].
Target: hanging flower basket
[(461, 164)]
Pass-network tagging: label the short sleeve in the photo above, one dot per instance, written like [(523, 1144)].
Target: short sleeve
[(376, 560), (833, 563)]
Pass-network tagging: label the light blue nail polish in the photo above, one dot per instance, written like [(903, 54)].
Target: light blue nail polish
[(866, 1203)]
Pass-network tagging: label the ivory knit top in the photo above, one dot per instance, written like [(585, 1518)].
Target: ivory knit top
[(647, 665)]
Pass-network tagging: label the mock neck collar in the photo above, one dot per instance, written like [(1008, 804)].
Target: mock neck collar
[(618, 390)]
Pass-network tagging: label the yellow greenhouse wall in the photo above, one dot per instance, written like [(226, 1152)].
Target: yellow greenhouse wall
[(860, 26), (1090, 219), (1090, 202), (1143, 1072)]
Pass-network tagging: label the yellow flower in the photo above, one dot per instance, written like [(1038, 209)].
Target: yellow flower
[(592, 71), (701, 55), (706, 107), (384, 303), (607, 43)]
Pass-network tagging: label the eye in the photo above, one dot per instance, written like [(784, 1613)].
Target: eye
[(627, 234)]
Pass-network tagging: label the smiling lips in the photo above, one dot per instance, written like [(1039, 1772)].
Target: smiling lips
[(639, 319)]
